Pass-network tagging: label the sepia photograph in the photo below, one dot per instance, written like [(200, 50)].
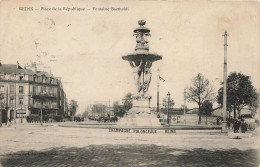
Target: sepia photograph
[(129, 83)]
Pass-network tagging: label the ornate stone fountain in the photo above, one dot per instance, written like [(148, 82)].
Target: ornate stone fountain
[(141, 61)]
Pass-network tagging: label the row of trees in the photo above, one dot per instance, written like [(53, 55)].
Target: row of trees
[(120, 110), (101, 109), (200, 91), (240, 93), (73, 106)]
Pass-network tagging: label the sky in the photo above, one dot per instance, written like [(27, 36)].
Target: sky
[(88, 45)]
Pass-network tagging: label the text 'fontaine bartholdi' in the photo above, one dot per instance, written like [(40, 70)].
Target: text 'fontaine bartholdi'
[(110, 8)]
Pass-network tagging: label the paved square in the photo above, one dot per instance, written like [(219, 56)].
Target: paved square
[(59, 146)]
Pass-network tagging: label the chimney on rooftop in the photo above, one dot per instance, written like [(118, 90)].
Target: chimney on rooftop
[(34, 67), (17, 64)]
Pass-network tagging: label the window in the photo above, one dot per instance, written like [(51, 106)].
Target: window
[(51, 81), (11, 99), (20, 100), (2, 88), (21, 89), (34, 90), (34, 78), (11, 88)]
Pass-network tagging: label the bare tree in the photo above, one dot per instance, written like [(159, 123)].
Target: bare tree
[(206, 109), (73, 106), (165, 102), (200, 91)]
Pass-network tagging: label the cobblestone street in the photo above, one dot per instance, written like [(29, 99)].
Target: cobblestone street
[(59, 146), (131, 155)]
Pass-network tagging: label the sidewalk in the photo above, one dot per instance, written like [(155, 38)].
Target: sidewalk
[(94, 124), (180, 129)]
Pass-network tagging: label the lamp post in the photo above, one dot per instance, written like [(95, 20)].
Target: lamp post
[(184, 108), (41, 116), (158, 104), (169, 96), (22, 113), (41, 111), (158, 86), (224, 122)]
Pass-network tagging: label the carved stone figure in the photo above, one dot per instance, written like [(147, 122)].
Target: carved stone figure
[(147, 80), (141, 60), (142, 75), (137, 72), (141, 39)]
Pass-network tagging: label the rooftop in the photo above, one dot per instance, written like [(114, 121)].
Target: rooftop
[(17, 69)]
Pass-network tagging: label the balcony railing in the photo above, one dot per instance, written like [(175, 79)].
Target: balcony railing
[(41, 95), (44, 106)]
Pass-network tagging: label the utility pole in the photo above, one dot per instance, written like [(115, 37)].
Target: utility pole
[(41, 109), (184, 108), (158, 78), (224, 122), (168, 108)]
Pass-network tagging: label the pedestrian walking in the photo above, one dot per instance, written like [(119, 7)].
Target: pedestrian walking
[(236, 126), (217, 120), (243, 126)]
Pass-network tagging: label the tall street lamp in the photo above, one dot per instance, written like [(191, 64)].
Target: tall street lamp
[(169, 96), (158, 85)]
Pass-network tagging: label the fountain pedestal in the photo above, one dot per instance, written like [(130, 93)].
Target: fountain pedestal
[(142, 101), (140, 114)]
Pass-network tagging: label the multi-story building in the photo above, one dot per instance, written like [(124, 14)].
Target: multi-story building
[(30, 92)]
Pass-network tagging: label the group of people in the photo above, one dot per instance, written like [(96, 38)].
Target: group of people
[(237, 124)]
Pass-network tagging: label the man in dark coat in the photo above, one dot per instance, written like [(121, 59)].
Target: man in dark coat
[(243, 126), (236, 126)]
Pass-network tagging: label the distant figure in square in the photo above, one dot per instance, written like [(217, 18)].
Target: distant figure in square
[(218, 120), (236, 126), (243, 126)]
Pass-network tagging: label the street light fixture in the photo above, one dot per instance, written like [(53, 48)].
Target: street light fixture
[(169, 96)]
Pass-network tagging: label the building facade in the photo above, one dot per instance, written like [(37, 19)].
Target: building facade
[(28, 92)]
